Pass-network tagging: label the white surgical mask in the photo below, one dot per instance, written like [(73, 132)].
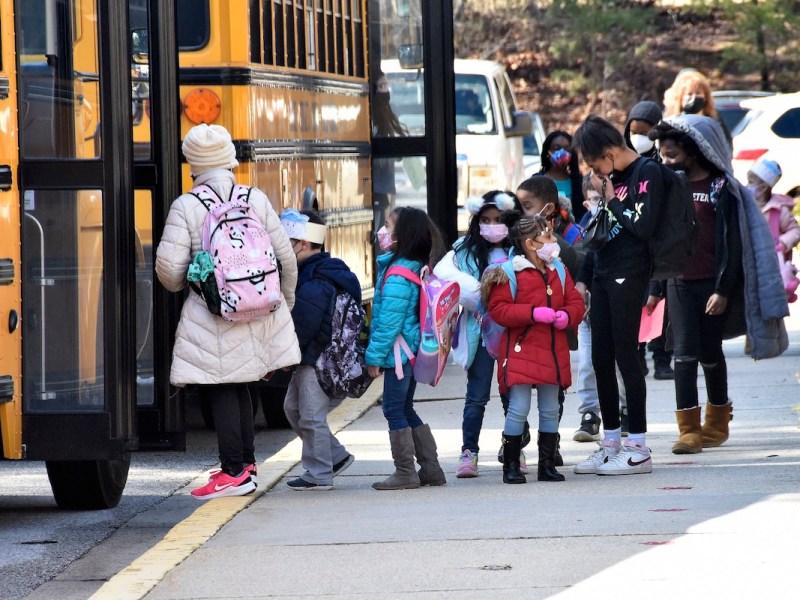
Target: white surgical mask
[(494, 232), (641, 143), (549, 252)]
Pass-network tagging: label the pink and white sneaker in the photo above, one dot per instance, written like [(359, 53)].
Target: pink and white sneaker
[(607, 451), (252, 469), (224, 485), (632, 459), (467, 465)]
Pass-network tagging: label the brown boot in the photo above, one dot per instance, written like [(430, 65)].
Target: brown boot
[(405, 474), (690, 440), (715, 427)]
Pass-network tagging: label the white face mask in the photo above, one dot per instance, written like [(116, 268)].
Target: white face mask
[(641, 143)]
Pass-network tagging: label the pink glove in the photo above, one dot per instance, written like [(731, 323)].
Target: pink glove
[(562, 320), (544, 314)]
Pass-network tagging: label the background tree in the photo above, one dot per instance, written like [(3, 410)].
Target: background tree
[(591, 41), (767, 33)]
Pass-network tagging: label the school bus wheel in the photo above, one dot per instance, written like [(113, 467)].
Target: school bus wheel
[(88, 484)]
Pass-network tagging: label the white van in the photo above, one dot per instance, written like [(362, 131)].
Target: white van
[(489, 128)]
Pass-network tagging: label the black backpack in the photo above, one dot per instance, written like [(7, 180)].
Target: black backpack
[(674, 239), (341, 368)]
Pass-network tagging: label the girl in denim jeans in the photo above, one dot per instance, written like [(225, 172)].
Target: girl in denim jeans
[(408, 238), (485, 243)]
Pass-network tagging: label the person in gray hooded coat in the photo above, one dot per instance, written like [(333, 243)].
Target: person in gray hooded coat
[(731, 284)]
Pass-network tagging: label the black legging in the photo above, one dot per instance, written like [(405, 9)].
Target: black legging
[(233, 419), (698, 338), (615, 315)]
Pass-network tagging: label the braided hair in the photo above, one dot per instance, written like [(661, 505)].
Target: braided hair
[(521, 227)]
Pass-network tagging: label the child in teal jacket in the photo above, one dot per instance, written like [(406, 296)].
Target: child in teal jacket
[(409, 237)]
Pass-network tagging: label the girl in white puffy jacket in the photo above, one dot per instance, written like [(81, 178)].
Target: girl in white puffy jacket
[(484, 244), (220, 356)]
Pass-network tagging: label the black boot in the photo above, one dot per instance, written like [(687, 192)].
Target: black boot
[(557, 458), (512, 446), (548, 442)]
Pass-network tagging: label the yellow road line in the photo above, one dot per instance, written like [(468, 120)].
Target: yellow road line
[(143, 574)]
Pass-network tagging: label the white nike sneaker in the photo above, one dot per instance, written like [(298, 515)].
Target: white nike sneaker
[(608, 450), (632, 459)]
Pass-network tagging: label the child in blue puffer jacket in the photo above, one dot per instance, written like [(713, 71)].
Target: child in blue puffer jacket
[(485, 244), (408, 237)]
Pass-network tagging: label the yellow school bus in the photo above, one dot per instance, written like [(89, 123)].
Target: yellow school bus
[(95, 97)]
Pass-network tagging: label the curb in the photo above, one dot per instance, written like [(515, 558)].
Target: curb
[(146, 572)]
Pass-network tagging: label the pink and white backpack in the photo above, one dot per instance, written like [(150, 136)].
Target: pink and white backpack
[(245, 266), (438, 312)]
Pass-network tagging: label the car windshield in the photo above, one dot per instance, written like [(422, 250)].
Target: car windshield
[(474, 112), (749, 117)]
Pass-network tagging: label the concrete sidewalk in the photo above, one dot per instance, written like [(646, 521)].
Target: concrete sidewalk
[(724, 523)]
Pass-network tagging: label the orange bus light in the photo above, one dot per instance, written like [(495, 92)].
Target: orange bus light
[(202, 106)]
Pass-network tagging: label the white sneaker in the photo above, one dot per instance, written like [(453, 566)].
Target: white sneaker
[(608, 450), (633, 458)]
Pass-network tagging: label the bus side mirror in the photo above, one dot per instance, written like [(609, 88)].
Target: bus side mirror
[(140, 45), (410, 56)]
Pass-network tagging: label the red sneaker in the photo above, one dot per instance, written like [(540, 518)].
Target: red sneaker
[(252, 469), (224, 485)]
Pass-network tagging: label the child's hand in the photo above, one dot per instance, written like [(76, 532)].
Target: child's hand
[(373, 371), (544, 314), (561, 320)]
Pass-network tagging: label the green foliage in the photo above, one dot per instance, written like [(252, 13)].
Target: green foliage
[(597, 38), (766, 35)]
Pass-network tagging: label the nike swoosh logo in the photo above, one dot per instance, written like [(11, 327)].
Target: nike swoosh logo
[(219, 488), (636, 463)]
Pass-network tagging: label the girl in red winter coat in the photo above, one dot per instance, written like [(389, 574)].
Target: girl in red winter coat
[(534, 351)]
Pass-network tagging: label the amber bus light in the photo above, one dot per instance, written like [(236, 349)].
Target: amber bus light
[(202, 106)]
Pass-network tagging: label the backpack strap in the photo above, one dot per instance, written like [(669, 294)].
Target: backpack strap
[(207, 190), (559, 266), (775, 224), (508, 268), (400, 342)]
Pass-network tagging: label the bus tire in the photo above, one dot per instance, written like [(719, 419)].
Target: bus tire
[(88, 484)]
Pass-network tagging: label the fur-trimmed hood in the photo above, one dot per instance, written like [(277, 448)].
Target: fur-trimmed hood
[(497, 276)]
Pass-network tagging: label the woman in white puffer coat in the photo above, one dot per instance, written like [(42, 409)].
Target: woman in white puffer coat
[(209, 350)]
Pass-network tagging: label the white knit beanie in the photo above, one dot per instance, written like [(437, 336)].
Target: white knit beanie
[(209, 147), (767, 171)]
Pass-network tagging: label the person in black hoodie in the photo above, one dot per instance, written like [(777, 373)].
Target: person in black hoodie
[(618, 275), (306, 405), (641, 120)]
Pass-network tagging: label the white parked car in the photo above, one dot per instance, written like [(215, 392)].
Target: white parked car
[(532, 147), (489, 128), (771, 128)]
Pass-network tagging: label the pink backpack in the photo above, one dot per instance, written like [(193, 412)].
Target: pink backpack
[(438, 311), (245, 266)]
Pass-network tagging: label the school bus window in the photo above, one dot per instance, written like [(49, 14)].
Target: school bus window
[(321, 41), (269, 48), (291, 53), (280, 48), (33, 29), (255, 32), (194, 28), (311, 36), (300, 29)]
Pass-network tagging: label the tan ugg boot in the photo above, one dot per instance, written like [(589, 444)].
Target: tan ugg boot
[(405, 474), (690, 440), (715, 427)]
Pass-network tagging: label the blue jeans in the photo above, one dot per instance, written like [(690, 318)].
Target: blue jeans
[(479, 386), (398, 399), (519, 405)]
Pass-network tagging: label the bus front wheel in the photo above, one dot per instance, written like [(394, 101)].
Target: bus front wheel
[(88, 484)]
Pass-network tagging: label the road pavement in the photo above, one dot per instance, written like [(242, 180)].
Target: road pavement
[(724, 523)]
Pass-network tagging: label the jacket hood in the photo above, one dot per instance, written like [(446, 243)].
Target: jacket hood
[(709, 137), (778, 201), (323, 265), (642, 111)]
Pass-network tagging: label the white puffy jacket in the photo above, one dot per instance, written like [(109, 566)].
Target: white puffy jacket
[(208, 349)]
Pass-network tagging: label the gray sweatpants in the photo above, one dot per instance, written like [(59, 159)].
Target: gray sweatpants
[(306, 407)]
